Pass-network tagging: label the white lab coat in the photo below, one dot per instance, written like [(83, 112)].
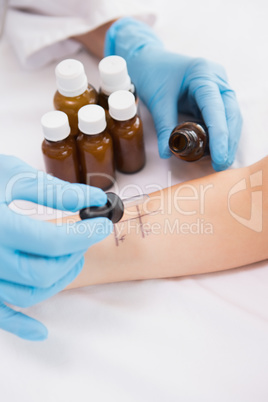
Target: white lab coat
[(39, 31)]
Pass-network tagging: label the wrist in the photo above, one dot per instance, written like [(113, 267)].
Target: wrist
[(93, 40)]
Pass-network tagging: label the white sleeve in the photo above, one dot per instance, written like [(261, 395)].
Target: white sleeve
[(39, 31)]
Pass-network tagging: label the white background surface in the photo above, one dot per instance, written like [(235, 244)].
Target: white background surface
[(202, 338)]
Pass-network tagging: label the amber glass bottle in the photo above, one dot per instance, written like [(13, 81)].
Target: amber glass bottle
[(59, 149), (126, 129), (73, 91), (114, 77), (95, 148), (189, 141)]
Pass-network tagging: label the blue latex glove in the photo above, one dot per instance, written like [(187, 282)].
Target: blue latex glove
[(169, 83), (38, 259)]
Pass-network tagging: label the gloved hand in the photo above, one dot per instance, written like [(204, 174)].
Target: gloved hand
[(169, 83), (38, 258)]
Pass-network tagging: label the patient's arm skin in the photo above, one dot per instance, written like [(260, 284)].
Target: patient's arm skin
[(189, 228)]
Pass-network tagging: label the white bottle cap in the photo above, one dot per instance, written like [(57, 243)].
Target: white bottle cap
[(114, 75), (55, 126), (91, 119), (71, 78), (122, 105)]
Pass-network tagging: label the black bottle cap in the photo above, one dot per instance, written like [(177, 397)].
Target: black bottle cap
[(113, 209)]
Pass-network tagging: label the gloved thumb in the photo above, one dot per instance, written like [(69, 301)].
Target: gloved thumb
[(21, 325), (165, 117)]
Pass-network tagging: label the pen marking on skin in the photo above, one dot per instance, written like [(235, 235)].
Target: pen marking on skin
[(122, 238), (141, 215), (116, 237), (144, 232), (140, 221)]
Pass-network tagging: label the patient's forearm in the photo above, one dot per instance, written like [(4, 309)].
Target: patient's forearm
[(204, 225)]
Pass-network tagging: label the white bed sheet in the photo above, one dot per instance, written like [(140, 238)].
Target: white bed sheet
[(202, 338)]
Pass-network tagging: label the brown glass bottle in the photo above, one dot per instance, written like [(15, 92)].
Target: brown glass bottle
[(73, 91), (95, 148), (126, 129), (71, 105), (59, 149), (114, 77), (189, 141), (103, 98)]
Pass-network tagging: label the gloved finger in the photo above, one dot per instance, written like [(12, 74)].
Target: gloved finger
[(26, 296), (32, 185), (47, 239), (210, 103), (21, 325), (138, 34), (33, 270), (165, 116), (234, 122)]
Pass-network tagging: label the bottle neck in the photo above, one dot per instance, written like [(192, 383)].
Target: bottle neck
[(89, 136), (125, 122), (74, 93), (183, 141), (108, 90), (59, 142)]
